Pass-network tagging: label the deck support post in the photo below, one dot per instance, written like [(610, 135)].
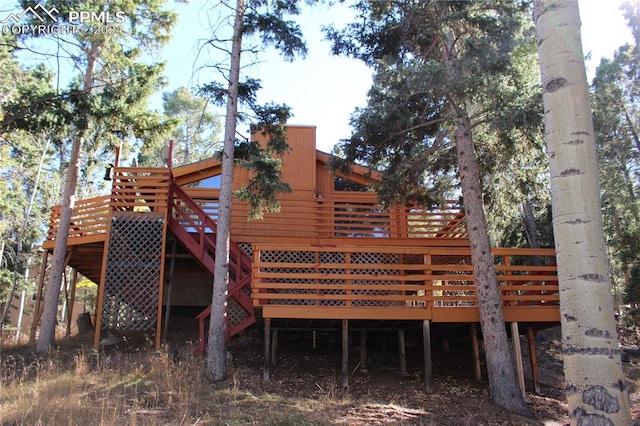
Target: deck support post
[(267, 350), (172, 268), (428, 367), (345, 354), (274, 347), (517, 353), (70, 301), (477, 369), (531, 333), (363, 351), (402, 353)]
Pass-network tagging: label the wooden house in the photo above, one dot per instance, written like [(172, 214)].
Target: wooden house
[(332, 258)]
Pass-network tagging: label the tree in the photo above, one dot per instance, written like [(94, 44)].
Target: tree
[(98, 94), (267, 21), (195, 129), (616, 117), (24, 195), (216, 345), (442, 70), (595, 383)]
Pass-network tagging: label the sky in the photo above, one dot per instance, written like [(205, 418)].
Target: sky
[(324, 90)]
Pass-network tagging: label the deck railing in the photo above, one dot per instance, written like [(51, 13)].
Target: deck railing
[(355, 215), (133, 189), (395, 282), (302, 215)]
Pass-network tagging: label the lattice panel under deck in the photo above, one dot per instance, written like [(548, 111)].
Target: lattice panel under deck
[(315, 258), (131, 287), (247, 247), (236, 314), (331, 257)]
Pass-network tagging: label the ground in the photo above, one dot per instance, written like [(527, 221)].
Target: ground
[(306, 383)]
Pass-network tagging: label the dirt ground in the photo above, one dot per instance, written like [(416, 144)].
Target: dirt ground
[(381, 394)]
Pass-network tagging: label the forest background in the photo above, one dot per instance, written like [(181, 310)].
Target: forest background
[(321, 89)]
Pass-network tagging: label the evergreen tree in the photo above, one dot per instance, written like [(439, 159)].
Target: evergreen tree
[(112, 81), (447, 93), (195, 130), (267, 21), (616, 116)]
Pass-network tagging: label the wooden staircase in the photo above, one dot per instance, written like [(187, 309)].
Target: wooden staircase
[(197, 233)]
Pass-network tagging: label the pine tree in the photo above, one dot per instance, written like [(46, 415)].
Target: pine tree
[(443, 70)]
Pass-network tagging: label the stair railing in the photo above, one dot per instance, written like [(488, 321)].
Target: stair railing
[(197, 231)]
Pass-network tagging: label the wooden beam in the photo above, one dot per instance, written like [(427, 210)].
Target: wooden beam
[(428, 367), (345, 354), (274, 347), (163, 251), (172, 269), (517, 352), (402, 353), (71, 301), (267, 351), (363, 351), (100, 298), (531, 334), (476, 352)]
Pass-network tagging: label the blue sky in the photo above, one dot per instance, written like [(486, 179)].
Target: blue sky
[(324, 90)]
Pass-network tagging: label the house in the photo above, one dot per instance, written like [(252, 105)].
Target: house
[(331, 258)]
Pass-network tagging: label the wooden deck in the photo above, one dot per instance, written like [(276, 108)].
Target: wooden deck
[(395, 282), (334, 257)]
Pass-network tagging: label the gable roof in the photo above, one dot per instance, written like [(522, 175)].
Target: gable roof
[(203, 169)]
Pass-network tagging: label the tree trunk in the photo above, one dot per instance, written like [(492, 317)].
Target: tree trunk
[(503, 381), (595, 383), (47, 336), (25, 224), (216, 345), (530, 225), (531, 230)]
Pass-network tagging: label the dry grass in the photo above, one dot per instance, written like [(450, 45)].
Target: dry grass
[(139, 386), (144, 388)]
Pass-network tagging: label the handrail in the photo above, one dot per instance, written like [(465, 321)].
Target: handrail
[(302, 215), (192, 223), (197, 231)]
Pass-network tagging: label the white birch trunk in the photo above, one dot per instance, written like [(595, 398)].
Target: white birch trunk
[(595, 383), (216, 345)]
